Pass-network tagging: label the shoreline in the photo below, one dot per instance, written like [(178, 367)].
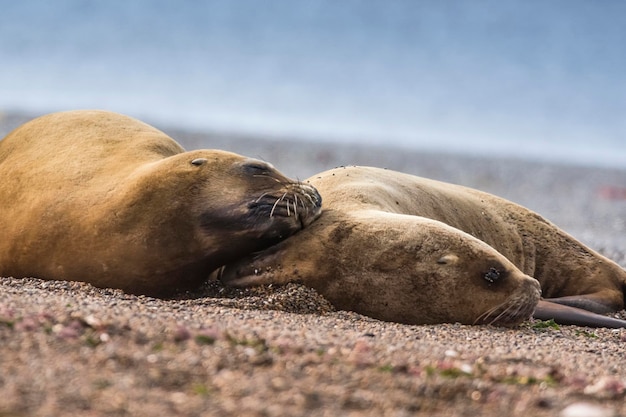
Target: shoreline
[(396, 156)]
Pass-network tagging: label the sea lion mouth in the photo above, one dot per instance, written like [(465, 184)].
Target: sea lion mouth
[(300, 201), (518, 308)]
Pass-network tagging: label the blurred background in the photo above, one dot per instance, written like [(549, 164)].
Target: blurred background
[(532, 79)]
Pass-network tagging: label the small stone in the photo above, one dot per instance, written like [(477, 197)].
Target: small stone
[(607, 387), (181, 334), (92, 321), (27, 324), (451, 353), (66, 332), (585, 410), (466, 368)]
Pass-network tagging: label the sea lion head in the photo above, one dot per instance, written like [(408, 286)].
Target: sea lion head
[(241, 204), (497, 292), (428, 273), (450, 276)]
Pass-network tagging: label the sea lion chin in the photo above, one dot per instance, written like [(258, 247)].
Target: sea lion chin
[(104, 198)]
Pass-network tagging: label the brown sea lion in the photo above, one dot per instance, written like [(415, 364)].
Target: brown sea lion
[(99, 197), (408, 249)]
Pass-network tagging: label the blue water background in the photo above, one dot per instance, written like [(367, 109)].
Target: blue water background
[(540, 79)]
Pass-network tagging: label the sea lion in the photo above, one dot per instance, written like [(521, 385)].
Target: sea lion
[(414, 250), (100, 197)]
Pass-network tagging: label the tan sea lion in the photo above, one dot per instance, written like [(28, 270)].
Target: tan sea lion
[(409, 249), (100, 197)]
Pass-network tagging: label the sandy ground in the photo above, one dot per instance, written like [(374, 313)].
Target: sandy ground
[(71, 349)]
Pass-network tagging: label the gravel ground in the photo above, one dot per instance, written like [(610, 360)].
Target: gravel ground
[(71, 349)]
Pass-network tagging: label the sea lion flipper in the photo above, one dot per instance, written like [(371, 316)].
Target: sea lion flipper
[(564, 314), (603, 302)]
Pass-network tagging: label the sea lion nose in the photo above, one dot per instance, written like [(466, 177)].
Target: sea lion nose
[(532, 286), (312, 197)]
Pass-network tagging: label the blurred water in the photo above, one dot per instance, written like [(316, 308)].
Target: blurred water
[(529, 78)]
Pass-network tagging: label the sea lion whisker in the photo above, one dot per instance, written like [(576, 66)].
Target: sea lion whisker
[(311, 199), (486, 314), (503, 313), (274, 207), (295, 204), (268, 176), (511, 311), (516, 309), (483, 315), (520, 308), (489, 319), (259, 199), (276, 203)]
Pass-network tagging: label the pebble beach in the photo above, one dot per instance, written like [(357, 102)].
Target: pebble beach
[(67, 348)]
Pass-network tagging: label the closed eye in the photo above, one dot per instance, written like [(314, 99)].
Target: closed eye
[(255, 168), (199, 161)]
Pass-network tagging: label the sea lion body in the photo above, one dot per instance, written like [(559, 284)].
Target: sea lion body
[(99, 197), (563, 266), (417, 250), (368, 253)]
